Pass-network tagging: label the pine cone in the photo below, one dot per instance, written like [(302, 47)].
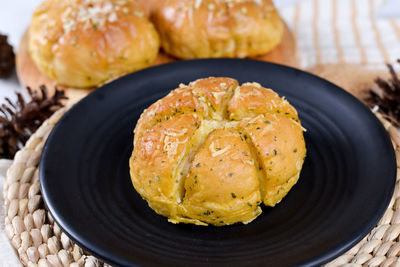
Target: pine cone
[(385, 96), (7, 57), (20, 119)]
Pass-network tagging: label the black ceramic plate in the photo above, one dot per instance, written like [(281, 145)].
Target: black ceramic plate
[(345, 185)]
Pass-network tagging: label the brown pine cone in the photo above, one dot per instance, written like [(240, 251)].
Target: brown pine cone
[(7, 57), (20, 119), (384, 97)]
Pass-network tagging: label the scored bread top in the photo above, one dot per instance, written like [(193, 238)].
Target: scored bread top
[(210, 152)]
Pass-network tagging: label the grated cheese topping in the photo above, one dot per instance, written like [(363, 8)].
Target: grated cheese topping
[(298, 165), (256, 118), (253, 92), (171, 145), (255, 84), (298, 124), (267, 128), (215, 152), (197, 4), (93, 13), (176, 133), (218, 96)]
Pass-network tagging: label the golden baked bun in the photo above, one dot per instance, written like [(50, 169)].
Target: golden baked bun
[(84, 43), (212, 151), (217, 28)]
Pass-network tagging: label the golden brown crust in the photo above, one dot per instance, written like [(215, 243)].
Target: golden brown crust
[(156, 157), (216, 93), (177, 102), (84, 43), (212, 151), (251, 99), (222, 186), (217, 28), (279, 147)]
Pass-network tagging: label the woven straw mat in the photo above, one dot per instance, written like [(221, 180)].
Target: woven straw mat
[(39, 241)]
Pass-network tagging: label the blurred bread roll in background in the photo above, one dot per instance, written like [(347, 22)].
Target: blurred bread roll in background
[(217, 28), (84, 43), (212, 151)]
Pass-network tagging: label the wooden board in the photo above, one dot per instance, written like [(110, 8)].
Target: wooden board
[(29, 74)]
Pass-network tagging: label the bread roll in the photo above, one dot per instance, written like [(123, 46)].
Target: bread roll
[(84, 43), (212, 151), (217, 28)]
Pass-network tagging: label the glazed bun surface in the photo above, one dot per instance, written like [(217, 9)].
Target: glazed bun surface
[(84, 43), (217, 28), (212, 151)]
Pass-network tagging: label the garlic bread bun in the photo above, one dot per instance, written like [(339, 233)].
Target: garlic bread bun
[(84, 43), (217, 28), (212, 151)]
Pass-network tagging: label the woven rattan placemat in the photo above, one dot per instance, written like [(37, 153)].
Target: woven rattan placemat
[(39, 241)]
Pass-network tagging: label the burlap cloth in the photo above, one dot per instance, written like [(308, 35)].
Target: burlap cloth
[(39, 241)]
